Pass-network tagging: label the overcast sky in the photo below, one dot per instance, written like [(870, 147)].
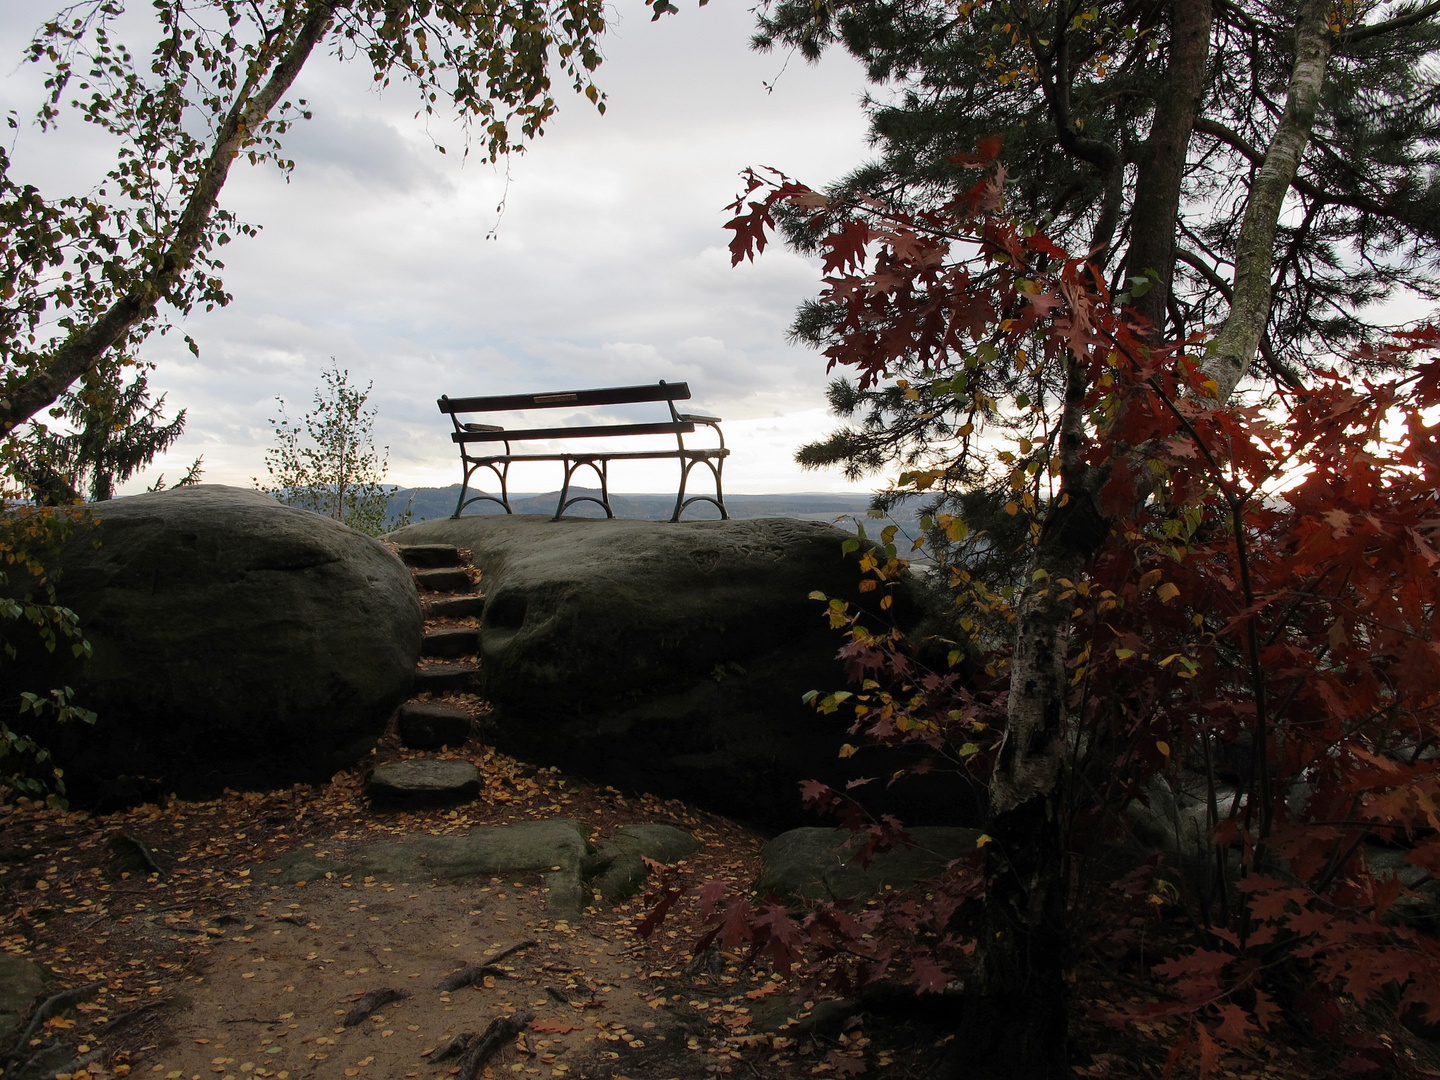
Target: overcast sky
[(609, 266)]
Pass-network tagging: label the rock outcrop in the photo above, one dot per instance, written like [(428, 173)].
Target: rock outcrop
[(557, 851), (21, 984), (822, 864), (620, 864), (236, 643), (672, 657)]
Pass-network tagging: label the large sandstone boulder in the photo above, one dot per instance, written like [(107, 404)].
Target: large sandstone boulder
[(671, 657), (237, 643)]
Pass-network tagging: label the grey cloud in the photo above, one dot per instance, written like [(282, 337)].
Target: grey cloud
[(372, 152)]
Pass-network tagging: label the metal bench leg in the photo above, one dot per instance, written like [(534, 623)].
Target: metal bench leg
[(468, 469), (503, 475), (505, 487), (601, 470), (685, 466), (564, 487), (464, 487), (604, 471), (719, 491), (718, 501)]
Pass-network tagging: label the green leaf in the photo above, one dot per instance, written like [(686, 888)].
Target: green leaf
[(1141, 284)]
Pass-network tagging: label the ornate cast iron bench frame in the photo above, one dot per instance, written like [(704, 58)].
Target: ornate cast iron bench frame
[(680, 424)]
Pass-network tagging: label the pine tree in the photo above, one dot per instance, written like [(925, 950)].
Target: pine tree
[(114, 431)]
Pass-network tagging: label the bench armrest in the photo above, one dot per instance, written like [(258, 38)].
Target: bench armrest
[(697, 418), (481, 427)]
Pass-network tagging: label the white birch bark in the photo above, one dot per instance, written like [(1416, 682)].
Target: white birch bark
[(1235, 346)]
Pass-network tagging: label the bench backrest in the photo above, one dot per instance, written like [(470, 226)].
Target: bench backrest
[(614, 395)]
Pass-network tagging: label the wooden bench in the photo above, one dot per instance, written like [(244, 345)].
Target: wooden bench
[(482, 436)]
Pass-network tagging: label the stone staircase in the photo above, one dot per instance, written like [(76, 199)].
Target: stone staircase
[(442, 712)]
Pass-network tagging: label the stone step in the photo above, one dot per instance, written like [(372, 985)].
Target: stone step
[(449, 644), (429, 556), (447, 579), (425, 726), (445, 678), (457, 607), (424, 782)]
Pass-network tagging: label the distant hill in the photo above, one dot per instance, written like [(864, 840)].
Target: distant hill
[(426, 503)]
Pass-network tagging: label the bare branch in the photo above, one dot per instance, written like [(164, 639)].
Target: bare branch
[(1389, 26)]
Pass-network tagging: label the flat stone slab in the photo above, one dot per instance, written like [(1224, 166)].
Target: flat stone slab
[(424, 781), (458, 607), (558, 850), (449, 644), (618, 867), (1420, 907), (21, 983), (554, 849), (449, 579), (442, 678), (428, 556), (663, 843), (821, 864), (429, 727)]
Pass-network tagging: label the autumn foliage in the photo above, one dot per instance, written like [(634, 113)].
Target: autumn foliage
[(1257, 627)]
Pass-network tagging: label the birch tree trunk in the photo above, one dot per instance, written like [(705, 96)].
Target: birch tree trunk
[(1017, 1021), (1238, 341)]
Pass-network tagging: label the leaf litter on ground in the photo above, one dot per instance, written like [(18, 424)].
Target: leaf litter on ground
[(194, 967)]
